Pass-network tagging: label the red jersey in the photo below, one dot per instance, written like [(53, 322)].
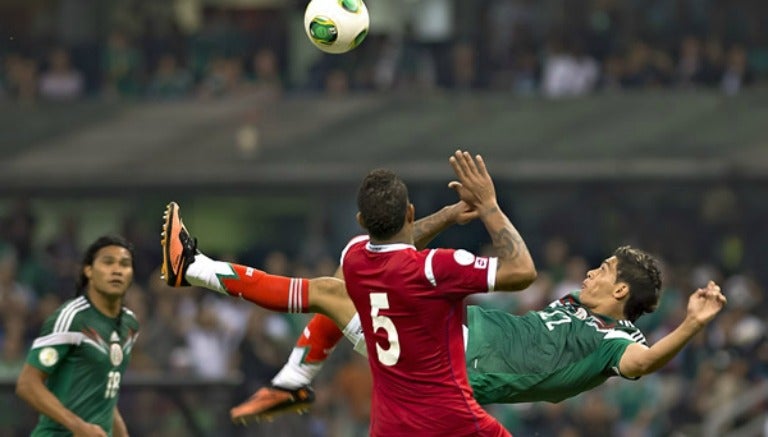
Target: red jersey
[(411, 310)]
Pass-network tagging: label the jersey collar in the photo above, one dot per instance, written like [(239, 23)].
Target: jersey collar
[(380, 248)]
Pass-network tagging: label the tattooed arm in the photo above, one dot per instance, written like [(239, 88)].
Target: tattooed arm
[(515, 270), (426, 229)]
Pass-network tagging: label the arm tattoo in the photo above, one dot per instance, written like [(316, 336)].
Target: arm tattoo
[(425, 229), (507, 243), (420, 227)]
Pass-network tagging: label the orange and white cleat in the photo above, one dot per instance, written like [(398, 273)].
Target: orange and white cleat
[(179, 248), (271, 401)]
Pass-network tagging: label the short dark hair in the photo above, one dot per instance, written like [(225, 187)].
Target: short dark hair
[(382, 201), (640, 271), (95, 247)]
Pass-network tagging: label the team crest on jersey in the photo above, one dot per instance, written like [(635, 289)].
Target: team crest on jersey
[(481, 263), (581, 314), (48, 356), (115, 354)]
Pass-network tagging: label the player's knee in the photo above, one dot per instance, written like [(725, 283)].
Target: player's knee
[(328, 295)]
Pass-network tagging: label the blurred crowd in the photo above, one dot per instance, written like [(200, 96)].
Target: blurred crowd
[(189, 335), (521, 47)]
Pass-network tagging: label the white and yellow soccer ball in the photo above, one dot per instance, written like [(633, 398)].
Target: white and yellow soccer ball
[(336, 26)]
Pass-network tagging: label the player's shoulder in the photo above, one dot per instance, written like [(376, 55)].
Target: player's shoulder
[(360, 240), (68, 316), (129, 319), (626, 330)]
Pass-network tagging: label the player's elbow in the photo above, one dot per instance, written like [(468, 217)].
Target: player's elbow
[(24, 387), (516, 279)]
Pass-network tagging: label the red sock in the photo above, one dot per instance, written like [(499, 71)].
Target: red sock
[(276, 293), (320, 336)]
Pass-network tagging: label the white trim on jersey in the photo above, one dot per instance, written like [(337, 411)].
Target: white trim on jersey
[(355, 240), (493, 266), (428, 270), (615, 333), (394, 247), (67, 315), (294, 296), (58, 338)]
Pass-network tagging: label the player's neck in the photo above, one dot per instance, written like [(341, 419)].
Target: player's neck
[(616, 313), (108, 305), (405, 236)]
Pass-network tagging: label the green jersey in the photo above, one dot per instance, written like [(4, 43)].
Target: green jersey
[(85, 354), (546, 355)]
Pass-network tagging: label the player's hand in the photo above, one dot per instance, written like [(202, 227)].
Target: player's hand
[(89, 430), (705, 303), (475, 186), (461, 213)]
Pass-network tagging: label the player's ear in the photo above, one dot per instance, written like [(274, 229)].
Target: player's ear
[(360, 220), (410, 213), (621, 290), (88, 271)]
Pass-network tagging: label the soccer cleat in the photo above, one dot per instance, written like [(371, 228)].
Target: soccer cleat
[(179, 248), (271, 401)]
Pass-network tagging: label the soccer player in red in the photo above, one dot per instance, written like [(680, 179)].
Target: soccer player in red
[(409, 301), (411, 304)]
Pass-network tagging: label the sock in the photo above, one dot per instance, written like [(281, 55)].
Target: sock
[(354, 333), (316, 342), (276, 293)]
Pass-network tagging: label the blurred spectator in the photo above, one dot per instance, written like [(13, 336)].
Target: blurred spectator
[(122, 65), (737, 73), (568, 72), (169, 80), (266, 72), (691, 63), (61, 81), (21, 78), (224, 77), (646, 67), (16, 299), (713, 64)]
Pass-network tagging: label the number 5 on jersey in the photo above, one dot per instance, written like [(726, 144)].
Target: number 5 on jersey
[(389, 356)]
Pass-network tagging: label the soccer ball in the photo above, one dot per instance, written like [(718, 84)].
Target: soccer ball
[(336, 26)]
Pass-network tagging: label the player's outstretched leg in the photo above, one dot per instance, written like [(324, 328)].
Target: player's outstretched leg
[(286, 393), (184, 264), (317, 341)]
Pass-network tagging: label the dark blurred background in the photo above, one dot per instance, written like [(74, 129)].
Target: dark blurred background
[(604, 122)]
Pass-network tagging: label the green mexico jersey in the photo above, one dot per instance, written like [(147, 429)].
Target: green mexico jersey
[(85, 354), (546, 355)]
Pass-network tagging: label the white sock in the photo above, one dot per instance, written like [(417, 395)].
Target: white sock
[(204, 272), (354, 333), (296, 373)]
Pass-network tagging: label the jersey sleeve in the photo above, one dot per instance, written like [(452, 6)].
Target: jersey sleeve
[(613, 347), (59, 334), (459, 271)]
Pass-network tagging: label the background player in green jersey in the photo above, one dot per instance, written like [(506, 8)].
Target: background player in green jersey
[(73, 370)]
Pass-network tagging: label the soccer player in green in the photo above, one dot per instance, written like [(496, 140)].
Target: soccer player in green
[(73, 370), (571, 346)]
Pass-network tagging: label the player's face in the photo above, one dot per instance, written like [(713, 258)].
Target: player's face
[(600, 283), (111, 272)]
